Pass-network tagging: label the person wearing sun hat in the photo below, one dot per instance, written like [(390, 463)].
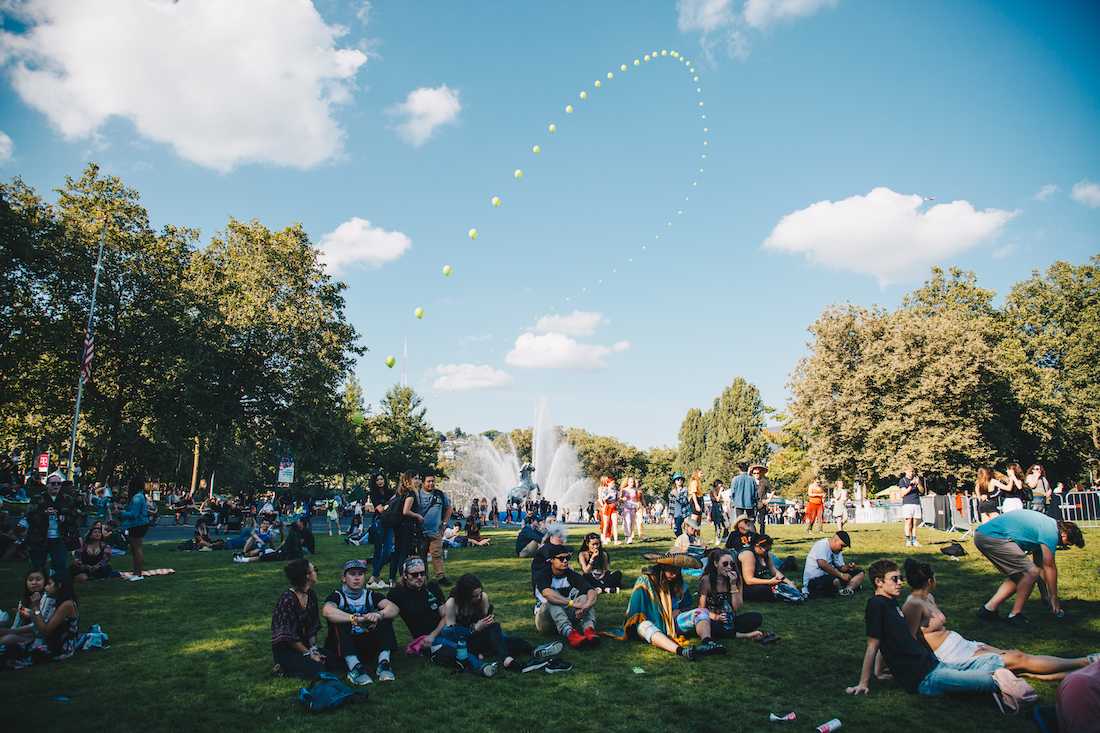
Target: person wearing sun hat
[(661, 612), (691, 541), (678, 502), (741, 535)]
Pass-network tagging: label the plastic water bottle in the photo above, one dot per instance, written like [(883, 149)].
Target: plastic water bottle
[(829, 727), (461, 654)]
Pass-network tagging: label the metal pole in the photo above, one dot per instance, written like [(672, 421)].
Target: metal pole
[(195, 467), (80, 376)]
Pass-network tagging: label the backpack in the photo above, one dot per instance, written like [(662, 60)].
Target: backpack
[(953, 550), (328, 693), (391, 515)]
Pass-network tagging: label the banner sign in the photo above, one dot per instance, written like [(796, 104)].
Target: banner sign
[(286, 471), (44, 463)]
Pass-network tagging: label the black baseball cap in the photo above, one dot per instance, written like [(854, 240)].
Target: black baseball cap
[(844, 537)]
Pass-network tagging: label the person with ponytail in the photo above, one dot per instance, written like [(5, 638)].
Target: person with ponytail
[(926, 621)]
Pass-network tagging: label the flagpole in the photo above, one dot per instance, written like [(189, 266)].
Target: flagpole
[(87, 334)]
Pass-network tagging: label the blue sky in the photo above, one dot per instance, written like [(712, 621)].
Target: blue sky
[(279, 116)]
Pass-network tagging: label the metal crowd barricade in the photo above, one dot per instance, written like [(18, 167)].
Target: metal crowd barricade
[(1082, 507)]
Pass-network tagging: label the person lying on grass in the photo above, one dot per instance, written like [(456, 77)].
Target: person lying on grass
[(54, 627), (661, 613), (913, 664), (595, 564), (565, 602), (720, 594), (420, 604), (472, 635), (360, 628), (762, 581), (927, 622), (295, 623)]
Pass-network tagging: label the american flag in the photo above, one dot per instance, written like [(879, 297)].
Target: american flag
[(86, 360)]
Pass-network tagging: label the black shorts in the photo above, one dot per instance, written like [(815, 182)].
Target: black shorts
[(136, 533), (822, 587)]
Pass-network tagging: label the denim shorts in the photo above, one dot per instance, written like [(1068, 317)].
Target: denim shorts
[(973, 675)]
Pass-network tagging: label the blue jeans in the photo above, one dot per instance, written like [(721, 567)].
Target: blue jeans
[(57, 553), (383, 548), (678, 525), (973, 675)]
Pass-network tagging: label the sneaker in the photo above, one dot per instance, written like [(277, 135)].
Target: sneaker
[(575, 640), (135, 578), (359, 676), (915, 543), (709, 647), (548, 650), (984, 614), (489, 669), (384, 673), (239, 558), (590, 639), (1013, 695), (444, 581), (1093, 658), (557, 665), (1017, 620), (846, 592), (531, 665), (689, 653)]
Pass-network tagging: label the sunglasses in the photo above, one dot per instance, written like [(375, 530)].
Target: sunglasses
[(416, 573), (725, 564), (563, 558), (895, 578)]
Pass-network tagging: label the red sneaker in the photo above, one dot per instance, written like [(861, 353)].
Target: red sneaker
[(575, 640), (590, 637)]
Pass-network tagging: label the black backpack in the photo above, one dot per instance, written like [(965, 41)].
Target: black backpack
[(392, 514)]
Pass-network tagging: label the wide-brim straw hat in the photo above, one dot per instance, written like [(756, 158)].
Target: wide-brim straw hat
[(673, 559)]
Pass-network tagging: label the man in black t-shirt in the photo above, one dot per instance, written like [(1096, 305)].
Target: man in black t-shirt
[(565, 601), (360, 626), (913, 664), (420, 604)]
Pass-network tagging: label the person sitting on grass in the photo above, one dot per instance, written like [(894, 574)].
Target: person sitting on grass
[(202, 540), (762, 581), (420, 604), (292, 547), (472, 634), (1022, 545), (826, 573), (473, 532), (530, 537), (54, 624), (92, 560), (564, 601), (355, 532), (596, 565), (913, 665), (295, 623), (691, 541), (360, 627), (452, 540), (660, 611), (741, 535), (927, 622), (34, 591), (720, 593), (557, 534), (259, 542)]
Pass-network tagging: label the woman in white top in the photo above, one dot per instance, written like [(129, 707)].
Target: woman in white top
[(840, 504), (1014, 493)]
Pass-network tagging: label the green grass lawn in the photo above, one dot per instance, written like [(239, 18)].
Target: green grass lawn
[(191, 652)]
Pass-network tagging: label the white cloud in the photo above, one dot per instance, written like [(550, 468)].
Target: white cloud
[(424, 110), (558, 351), (885, 234), (705, 16), (6, 147), (462, 377), (356, 241), (223, 83), (1046, 192), (577, 323), (763, 13), (1087, 193)]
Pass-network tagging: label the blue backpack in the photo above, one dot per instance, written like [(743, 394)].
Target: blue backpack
[(328, 693)]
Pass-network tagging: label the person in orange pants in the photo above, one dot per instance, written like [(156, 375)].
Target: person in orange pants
[(815, 506)]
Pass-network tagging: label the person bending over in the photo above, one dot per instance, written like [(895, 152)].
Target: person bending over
[(596, 565), (471, 635), (420, 604), (720, 594), (1022, 545), (912, 663), (926, 621), (660, 611), (360, 627), (826, 573), (564, 601), (295, 623), (762, 581)]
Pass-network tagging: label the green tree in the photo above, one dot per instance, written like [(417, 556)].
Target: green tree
[(789, 467), (404, 439), (692, 444), (734, 431), (659, 466), (602, 455)]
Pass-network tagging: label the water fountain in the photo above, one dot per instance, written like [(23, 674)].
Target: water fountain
[(484, 469)]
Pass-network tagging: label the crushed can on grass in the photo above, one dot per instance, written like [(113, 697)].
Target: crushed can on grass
[(829, 727), (782, 718)]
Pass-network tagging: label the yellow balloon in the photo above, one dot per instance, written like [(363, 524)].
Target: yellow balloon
[(695, 78), (610, 75), (568, 109), (447, 270), (419, 312), (637, 62), (598, 84), (584, 95), (622, 67), (390, 361), (518, 174), (495, 201), (664, 52), (646, 57), (536, 149), (552, 128), (472, 233), (675, 54)]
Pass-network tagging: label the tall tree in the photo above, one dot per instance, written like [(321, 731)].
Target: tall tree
[(734, 430), (693, 441), (404, 439)]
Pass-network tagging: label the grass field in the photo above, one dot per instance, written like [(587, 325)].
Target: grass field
[(191, 652)]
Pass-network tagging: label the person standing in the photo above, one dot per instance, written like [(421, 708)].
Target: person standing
[(1036, 480), (717, 514), (135, 520), (1013, 493), (380, 496), (53, 525), (764, 490), (433, 509), (744, 493), (910, 505), (630, 498), (678, 503), (494, 512), (840, 505), (815, 506)]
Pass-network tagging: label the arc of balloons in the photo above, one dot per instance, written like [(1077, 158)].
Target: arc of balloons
[(496, 201)]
